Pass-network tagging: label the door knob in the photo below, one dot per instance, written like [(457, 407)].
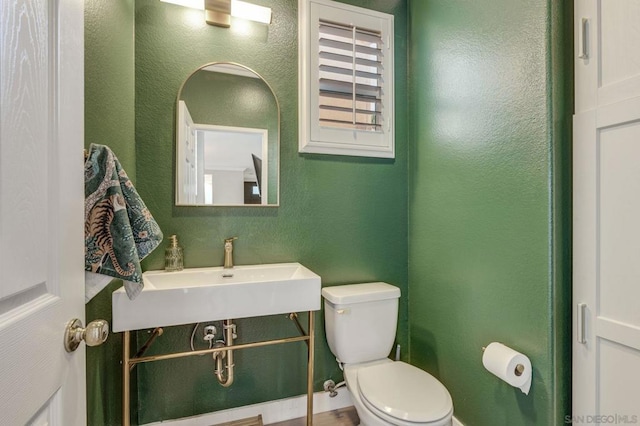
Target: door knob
[(95, 334)]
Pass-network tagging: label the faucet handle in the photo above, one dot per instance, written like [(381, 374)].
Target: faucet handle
[(230, 239)]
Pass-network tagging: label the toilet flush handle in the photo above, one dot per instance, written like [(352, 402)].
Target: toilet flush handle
[(343, 311)]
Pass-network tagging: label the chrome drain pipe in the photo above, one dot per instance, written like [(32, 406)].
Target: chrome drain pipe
[(229, 334)]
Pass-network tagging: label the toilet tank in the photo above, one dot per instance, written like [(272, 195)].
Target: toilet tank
[(360, 320)]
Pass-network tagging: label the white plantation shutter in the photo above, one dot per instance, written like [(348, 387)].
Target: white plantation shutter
[(346, 80), (350, 72)]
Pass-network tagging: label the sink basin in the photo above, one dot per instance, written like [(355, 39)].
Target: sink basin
[(212, 294)]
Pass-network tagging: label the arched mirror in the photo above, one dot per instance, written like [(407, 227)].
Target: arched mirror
[(227, 138)]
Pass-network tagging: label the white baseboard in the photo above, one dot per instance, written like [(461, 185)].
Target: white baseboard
[(456, 422), (272, 411)]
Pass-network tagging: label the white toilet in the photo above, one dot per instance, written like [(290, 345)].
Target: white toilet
[(360, 322)]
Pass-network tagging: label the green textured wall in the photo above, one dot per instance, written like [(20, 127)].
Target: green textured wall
[(489, 183), (109, 78), (344, 218), (109, 119), (489, 200)]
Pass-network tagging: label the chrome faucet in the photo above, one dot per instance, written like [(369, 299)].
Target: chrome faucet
[(228, 252)]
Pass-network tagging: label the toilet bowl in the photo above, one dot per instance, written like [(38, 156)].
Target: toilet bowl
[(395, 393), (360, 322)]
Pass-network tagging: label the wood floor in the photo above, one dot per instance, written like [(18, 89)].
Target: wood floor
[(342, 417), (251, 421)]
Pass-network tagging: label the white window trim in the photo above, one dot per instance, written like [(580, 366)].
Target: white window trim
[(346, 144)]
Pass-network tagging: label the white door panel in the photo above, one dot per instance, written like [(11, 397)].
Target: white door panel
[(188, 171), (618, 376), (50, 412), (606, 52), (41, 204), (606, 204), (606, 250), (619, 227), (619, 38)]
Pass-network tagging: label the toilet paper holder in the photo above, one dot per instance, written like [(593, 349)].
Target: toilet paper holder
[(517, 371)]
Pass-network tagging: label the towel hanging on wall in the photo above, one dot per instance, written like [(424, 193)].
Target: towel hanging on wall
[(119, 230)]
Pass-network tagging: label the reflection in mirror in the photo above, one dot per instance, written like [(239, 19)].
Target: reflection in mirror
[(227, 139)]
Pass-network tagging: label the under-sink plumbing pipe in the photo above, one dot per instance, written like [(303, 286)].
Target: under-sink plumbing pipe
[(229, 334), (331, 387)]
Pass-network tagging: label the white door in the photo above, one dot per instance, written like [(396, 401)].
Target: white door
[(41, 205), (606, 245), (187, 167)]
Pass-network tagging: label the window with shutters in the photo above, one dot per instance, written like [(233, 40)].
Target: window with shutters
[(346, 80)]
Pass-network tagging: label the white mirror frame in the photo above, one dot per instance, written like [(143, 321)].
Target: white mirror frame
[(229, 189)]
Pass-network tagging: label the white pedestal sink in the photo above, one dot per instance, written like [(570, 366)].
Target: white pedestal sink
[(212, 294)]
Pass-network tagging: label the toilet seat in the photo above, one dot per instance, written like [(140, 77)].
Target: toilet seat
[(403, 394)]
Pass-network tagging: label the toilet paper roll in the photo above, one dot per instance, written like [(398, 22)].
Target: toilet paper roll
[(505, 363)]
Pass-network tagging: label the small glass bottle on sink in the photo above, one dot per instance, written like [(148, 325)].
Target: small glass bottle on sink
[(173, 260)]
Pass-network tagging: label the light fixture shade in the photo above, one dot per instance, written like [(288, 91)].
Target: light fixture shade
[(194, 4), (217, 9), (252, 12)]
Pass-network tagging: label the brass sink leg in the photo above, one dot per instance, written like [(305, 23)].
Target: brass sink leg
[(128, 362), (126, 378), (155, 333), (310, 361), (293, 316)]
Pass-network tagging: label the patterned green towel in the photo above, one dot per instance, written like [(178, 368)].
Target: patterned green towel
[(119, 230)]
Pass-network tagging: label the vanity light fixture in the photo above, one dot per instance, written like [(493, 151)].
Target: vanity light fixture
[(219, 12), (250, 11)]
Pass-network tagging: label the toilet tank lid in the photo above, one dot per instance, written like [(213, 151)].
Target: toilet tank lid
[(360, 293)]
